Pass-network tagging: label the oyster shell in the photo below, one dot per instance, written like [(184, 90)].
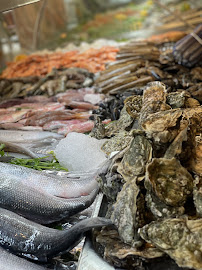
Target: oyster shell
[(136, 157), (98, 130), (122, 123), (117, 143), (169, 181), (176, 99), (154, 100), (196, 159), (121, 254), (175, 148), (133, 105), (197, 195), (128, 213), (180, 238), (161, 210), (154, 91), (162, 126)]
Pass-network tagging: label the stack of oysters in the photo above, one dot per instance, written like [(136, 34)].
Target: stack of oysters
[(154, 184)]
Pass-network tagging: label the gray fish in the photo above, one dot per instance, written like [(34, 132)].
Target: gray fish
[(9, 261), (27, 142), (19, 136), (45, 198), (38, 242)]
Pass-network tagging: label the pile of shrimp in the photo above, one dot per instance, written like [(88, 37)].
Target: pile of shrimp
[(93, 60)]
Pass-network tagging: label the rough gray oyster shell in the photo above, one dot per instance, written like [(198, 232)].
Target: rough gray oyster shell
[(136, 157), (161, 210), (122, 123), (197, 195), (169, 181), (128, 213), (133, 105), (120, 254), (180, 238), (117, 143)]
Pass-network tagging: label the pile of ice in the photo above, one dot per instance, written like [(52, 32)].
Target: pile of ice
[(80, 152)]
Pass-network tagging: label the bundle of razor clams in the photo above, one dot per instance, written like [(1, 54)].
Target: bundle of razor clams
[(29, 197)]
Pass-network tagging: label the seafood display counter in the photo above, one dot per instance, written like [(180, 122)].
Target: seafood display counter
[(150, 206)]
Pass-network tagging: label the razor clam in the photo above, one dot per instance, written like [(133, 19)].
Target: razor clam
[(180, 238)]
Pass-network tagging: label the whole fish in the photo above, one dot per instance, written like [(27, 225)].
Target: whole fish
[(38, 242), (27, 136), (26, 142), (9, 261), (42, 197)]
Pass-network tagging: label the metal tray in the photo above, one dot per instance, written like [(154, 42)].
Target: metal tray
[(89, 259)]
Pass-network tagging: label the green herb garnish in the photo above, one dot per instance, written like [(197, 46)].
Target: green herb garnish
[(48, 162), (40, 163)]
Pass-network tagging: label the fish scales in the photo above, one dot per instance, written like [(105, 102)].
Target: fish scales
[(9, 261), (44, 198), (33, 240)]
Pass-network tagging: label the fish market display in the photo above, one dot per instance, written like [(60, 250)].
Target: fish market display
[(8, 261), (45, 198), (140, 62), (29, 239), (69, 112), (41, 64), (56, 81), (31, 143), (153, 185)]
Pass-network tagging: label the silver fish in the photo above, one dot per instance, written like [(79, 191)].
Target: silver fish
[(9, 261), (27, 142), (27, 136), (45, 198), (38, 242)]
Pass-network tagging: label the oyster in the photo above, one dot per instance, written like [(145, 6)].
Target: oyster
[(122, 123), (175, 148), (196, 159), (161, 210), (169, 181), (197, 195), (133, 105), (180, 238), (117, 143), (162, 126), (136, 157), (176, 99), (154, 100), (128, 213), (98, 130), (121, 254)]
